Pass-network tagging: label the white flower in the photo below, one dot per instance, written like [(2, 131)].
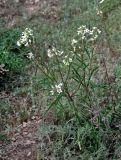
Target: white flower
[(91, 32), (95, 37), (53, 52), (25, 38), (94, 28), (57, 88), (28, 31), (18, 43), (91, 39), (52, 92), (83, 37), (54, 49), (26, 44), (88, 34), (101, 1), (99, 12), (30, 55), (73, 42), (99, 31), (59, 53), (49, 53), (70, 60), (65, 62)]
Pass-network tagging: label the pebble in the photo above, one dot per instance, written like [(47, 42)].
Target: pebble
[(28, 154)]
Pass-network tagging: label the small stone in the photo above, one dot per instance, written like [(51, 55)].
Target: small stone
[(25, 133), (29, 122), (30, 135), (28, 142), (24, 124), (33, 142), (13, 139), (33, 117), (38, 121), (28, 154), (17, 134)]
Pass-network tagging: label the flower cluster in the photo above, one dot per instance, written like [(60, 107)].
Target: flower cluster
[(30, 55), (67, 60), (26, 37), (54, 51), (57, 88), (73, 42), (87, 34), (99, 12)]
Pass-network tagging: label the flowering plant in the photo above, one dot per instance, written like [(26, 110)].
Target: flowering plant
[(68, 74)]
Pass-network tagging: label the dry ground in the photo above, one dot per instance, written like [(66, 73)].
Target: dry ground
[(12, 11)]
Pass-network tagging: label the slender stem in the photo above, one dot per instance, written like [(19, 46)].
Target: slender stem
[(68, 96)]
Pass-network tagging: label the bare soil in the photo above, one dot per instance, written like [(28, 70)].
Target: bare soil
[(12, 11)]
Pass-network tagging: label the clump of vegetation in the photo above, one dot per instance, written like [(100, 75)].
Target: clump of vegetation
[(76, 69), (12, 58), (84, 100)]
